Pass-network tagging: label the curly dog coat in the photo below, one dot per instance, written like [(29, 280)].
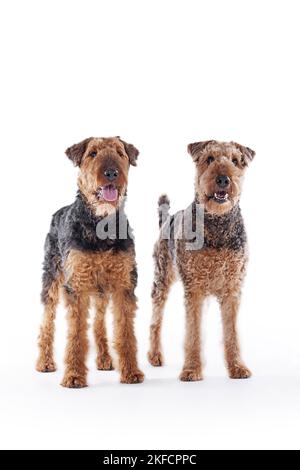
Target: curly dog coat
[(218, 268), (86, 267)]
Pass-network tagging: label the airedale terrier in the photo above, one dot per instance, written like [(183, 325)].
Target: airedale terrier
[(86, 266), (217, 268)]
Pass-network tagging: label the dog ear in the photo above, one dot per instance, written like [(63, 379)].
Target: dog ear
[(76, 152), (197, 147), (248, 154), (131, 151)]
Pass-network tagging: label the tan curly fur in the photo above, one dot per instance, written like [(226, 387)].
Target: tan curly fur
[(104, 360), (45, 361), (217, 269), (86, 272)]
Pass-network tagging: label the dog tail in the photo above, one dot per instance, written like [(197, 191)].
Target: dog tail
[(163, 208)]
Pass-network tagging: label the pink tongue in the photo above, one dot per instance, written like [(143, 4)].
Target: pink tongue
[(110, 193)]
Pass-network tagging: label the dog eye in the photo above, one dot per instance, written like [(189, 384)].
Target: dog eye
[(210, 160), (235, 161), (93, 154)]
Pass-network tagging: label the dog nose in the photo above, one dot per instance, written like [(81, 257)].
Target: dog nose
[(222, 181), (111, 174)]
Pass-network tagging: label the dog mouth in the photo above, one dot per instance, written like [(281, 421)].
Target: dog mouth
[(220, 197), (108, 193)]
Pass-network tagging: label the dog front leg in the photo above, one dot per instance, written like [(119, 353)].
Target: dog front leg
[(77, 344), (124, 302), (236, 367), (192, 369)]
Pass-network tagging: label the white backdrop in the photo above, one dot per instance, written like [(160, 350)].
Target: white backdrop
[(161, 74)]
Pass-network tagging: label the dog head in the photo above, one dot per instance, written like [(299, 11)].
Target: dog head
[(220, 171), (103, 171)]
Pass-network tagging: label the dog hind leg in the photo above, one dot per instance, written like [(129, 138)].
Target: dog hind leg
[(45, 362), (52, 281), (104, 360), (163, 279)]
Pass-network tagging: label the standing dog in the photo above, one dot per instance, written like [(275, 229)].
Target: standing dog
[(85, 266), (217, 268)]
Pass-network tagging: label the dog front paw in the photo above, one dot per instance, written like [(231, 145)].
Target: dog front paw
[(189, 375), (239, 371), (136, 377), (74, 381), (155, 358)]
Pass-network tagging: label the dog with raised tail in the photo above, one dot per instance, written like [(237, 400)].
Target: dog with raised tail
[(217, 267)]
